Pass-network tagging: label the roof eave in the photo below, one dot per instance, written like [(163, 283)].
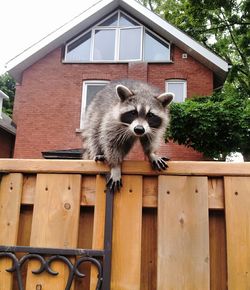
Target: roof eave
[(3, 95), (55, 39)]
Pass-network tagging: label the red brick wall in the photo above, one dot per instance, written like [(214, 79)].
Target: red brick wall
[(48, 102), (7, 141)]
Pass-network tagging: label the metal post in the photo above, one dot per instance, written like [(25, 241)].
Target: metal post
[(108, 240)]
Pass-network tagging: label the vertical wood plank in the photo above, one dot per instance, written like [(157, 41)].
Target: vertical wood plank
[(218, 255), (24, 231), (55, 224), (237, 201), (150, 191), (127, 227), (183, 233), (216, 193), (10, 200), (85, 242), (149, 249), (99, 224)]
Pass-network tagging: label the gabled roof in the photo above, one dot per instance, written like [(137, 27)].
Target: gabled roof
[(89, 17), (7, 124)]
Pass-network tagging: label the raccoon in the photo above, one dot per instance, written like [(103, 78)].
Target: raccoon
[(121, 113)]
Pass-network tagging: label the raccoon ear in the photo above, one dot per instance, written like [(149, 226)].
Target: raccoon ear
[(123, 92), (165, 98)]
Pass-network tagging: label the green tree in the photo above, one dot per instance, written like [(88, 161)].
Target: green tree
[(222, 25), (7, 85), (219, 124), (215, 125)]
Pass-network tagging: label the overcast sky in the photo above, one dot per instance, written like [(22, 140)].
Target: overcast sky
[(22, 23)]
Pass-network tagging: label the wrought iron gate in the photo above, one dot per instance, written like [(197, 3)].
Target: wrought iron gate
[(101, 259)]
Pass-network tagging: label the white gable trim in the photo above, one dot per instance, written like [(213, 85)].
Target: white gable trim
[(57, 38), (3, 96)]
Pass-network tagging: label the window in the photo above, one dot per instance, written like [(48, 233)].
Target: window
[(154, 48), (79, 49), (117, 38), (89, 89), (104, 44), (179, 88), (127, 36)]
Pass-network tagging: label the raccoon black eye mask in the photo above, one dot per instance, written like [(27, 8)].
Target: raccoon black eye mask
[(120, 114), (153, 120)]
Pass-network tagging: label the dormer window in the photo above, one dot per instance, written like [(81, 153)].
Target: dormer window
[(118, 38)]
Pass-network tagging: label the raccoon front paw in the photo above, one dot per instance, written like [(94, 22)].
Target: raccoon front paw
[(114, 185), (115, 182), (159, 163), (99, 157)]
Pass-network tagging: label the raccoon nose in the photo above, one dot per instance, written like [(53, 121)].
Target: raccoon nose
[(139, 130)]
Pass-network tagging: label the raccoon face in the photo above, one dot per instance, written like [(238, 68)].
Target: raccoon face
[(140, 120)]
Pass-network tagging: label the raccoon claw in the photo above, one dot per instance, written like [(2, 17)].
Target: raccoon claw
[(113, 185), (165, 158), (99, 158), (160, 163)]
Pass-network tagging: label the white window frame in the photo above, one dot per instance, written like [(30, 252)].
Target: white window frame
[(117, 40), (84, 96), (157, 37), (93, 45), (177, 81)]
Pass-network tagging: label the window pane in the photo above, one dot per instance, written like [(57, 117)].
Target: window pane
[(130, 44), (112, 21), (79, 50), (126, 21), (155, 49), (104, 45), (178, 88), (91, 91)]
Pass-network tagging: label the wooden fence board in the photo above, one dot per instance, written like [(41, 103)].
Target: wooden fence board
[(165, 248), (200, 168), (149, 249), (85, 237), (218, 255), (237, 200), (216, 193), (127, 228), (183, 233), (55, 224), (150, 191), (10, 200), (99, 223)]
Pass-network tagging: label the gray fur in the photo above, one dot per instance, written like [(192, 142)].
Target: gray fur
[(106, 136)]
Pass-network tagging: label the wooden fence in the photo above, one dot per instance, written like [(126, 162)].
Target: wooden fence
[(185, 229)]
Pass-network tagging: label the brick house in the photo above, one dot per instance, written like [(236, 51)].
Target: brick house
[(114, 39), (7, 131)]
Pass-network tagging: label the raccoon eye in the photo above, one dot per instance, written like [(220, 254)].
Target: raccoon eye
[(150, 115), (129, 117)]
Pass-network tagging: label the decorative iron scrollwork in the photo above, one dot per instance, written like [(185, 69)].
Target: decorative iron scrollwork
[(29, 253)]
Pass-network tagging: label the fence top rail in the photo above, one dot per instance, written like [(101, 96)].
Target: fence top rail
[(200, 168)]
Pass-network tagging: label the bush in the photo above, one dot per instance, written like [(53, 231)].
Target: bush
[(215, 126)]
